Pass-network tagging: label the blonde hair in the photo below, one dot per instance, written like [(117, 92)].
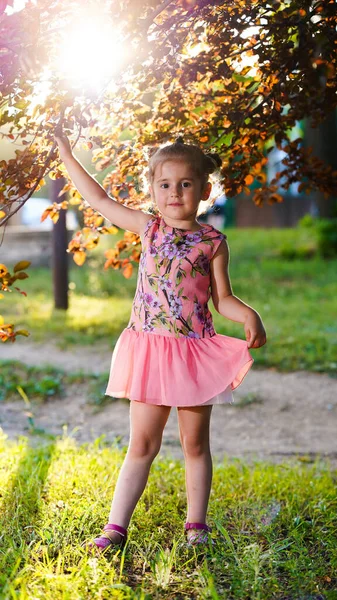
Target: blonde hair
[(203, 164)]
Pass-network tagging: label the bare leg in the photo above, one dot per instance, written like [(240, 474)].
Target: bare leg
[(194, 425), (147, 422)]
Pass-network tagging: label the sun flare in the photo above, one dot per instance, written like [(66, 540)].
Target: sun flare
[(90, 52)]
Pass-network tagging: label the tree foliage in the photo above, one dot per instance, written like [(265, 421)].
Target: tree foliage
[(231, 77)]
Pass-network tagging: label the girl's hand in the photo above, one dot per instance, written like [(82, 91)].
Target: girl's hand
[(62, 142), (254, 331)]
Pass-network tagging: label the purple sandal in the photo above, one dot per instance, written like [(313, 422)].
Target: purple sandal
[(198, 538), (105, 540)]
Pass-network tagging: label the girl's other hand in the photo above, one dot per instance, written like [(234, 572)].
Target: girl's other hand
[(254, 331), (62, 142)]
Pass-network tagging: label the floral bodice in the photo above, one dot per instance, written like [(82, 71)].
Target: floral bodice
[(174, 282)]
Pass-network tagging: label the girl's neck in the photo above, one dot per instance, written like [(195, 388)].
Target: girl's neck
[(187, 225)]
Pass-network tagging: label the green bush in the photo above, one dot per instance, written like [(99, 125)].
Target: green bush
[(325, 232), (304, 251), (327, 237)]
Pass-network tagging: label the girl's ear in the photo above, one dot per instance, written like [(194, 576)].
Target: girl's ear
[(206, 191)]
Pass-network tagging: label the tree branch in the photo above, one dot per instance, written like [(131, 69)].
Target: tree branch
[(157, 12)]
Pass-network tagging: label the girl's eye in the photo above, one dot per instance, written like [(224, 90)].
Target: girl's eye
[(184, 184)]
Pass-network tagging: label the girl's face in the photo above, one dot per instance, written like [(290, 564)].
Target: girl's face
[(177, 191)]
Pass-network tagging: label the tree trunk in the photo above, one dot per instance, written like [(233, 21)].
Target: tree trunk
[(323, 140), (60, 244)]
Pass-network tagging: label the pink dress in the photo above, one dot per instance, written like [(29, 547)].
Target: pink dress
[(169, 353)]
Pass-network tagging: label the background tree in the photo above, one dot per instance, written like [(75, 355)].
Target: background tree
[(230, 77)]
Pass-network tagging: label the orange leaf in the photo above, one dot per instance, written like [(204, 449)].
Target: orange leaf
[(127, 271), (111, 229), (79, 258), (249, 179), (91, 244), (3, 270), (275, 198), (45, 214), (111, 253), (40, 184), (262, 178), (55, 217), (331, 71)]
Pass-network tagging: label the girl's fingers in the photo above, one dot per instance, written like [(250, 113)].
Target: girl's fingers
[(58, 131)]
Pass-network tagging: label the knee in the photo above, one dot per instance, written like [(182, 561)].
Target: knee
[(194, 446), (142, 447)]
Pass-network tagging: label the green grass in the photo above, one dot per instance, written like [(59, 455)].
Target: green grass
[(18, 380), (295, 298), (274, 528)]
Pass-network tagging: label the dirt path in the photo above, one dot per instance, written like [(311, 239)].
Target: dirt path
[(291, 414)]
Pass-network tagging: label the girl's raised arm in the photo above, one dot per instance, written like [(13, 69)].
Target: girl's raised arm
[(126, 218)]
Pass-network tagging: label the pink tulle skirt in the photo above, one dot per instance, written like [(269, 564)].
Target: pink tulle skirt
[(158, 368)]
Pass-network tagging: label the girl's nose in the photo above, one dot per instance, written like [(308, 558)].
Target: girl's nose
[(176, 191)]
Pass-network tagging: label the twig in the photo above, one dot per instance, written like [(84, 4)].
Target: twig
[(157, 12), (43, 173)]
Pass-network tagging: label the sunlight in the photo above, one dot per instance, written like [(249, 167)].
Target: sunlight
[(246, 59), (91, 51), (42, 89), (17, 6)]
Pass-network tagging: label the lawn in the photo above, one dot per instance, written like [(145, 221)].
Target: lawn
[(274, 529), (297, 300), (274, 526)]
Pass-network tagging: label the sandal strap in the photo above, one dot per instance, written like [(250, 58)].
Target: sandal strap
[(117, 528), (199, 538), (197, 526), (104, 536), (107, 535)]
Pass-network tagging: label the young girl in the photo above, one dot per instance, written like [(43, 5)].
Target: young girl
[(169, 354)]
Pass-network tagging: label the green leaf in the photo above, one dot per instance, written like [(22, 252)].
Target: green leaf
[(240, 78), (227, 140), (21, 104)]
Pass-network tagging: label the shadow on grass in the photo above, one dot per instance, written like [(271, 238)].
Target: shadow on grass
[(21, 510)]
